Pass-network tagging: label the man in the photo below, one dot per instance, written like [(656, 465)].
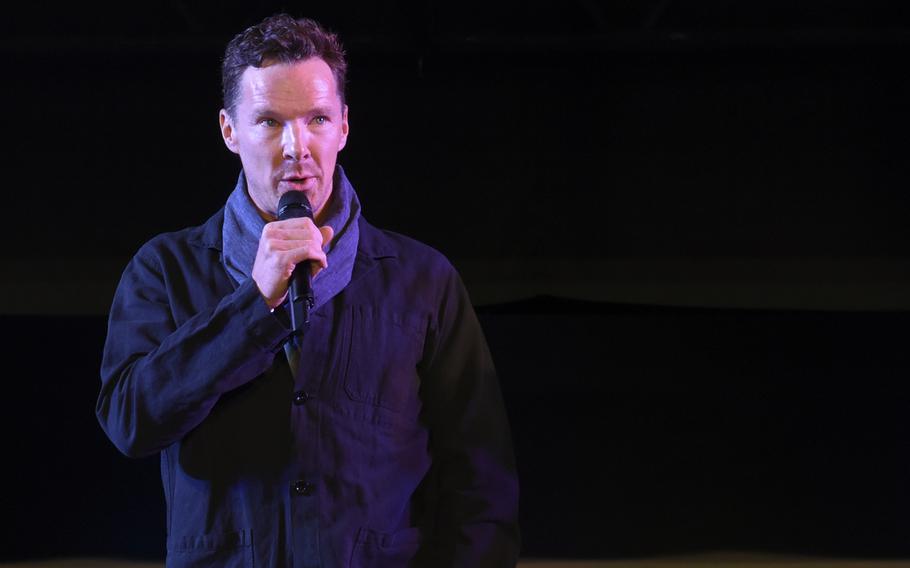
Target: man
[(378, 438)]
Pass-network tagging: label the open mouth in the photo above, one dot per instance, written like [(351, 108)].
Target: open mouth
[(299, 182)]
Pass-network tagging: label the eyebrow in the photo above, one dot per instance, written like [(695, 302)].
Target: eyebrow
[(259, 111), (319, 111), (264, 111)]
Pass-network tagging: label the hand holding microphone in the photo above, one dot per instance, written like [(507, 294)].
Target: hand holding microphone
[(290, 241)]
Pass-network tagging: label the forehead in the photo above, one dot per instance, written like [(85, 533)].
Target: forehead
[(288, 86)]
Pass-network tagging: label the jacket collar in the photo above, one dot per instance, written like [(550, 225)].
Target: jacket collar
[(208, 235)]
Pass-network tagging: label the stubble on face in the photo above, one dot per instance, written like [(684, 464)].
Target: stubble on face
[(288, 130)]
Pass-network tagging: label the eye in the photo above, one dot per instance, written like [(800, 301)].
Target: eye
[(268, 122), (320, 120)]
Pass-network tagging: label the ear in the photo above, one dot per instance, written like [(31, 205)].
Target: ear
[(344, 128), (227, 131)]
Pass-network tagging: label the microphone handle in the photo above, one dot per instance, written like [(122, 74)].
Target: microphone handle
[(301, 297)]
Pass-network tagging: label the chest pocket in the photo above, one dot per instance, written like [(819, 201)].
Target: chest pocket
[(384, 350)]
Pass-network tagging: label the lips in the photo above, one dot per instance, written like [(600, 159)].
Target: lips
[(298, 183), (299, 175)]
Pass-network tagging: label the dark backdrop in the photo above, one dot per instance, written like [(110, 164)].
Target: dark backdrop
[(744, 159), (705, 141)]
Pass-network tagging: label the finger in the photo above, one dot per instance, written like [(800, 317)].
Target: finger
[(298, 236), (328, 233), (311, 251), (291, 226), (295, 223), (282, 247)]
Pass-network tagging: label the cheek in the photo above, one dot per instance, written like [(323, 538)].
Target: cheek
[(328, 148), (261, 154)]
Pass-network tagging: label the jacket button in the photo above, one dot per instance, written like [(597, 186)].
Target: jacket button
[(300, 397), (303, 488)]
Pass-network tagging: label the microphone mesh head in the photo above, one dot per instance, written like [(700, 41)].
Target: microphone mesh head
[(294, 204)]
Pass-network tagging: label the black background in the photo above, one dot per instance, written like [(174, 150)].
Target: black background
[(614, 130)]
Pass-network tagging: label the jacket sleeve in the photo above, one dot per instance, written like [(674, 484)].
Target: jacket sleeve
[(159, 380), (477, 521)]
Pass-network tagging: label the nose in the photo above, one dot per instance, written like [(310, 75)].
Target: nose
[(294, 140)]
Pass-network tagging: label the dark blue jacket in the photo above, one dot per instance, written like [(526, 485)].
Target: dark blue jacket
[(390, 448)]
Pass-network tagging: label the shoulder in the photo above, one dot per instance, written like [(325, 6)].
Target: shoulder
[(184, 241), (404, 272), (183, 250), (382, 243)]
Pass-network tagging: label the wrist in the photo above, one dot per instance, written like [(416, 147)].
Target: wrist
[(272, 303)]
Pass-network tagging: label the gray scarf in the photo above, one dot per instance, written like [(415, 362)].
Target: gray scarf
[(243, 227)]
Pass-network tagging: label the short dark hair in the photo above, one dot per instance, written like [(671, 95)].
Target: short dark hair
[(284, 39)]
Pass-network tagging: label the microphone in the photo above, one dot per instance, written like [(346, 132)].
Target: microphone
[(293, 205)]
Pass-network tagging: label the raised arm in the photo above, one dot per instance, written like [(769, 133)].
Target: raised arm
[(159, 380)]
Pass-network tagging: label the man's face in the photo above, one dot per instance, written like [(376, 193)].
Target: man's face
[(288, 127)]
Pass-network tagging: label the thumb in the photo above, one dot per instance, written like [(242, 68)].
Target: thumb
[(327, 233)]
